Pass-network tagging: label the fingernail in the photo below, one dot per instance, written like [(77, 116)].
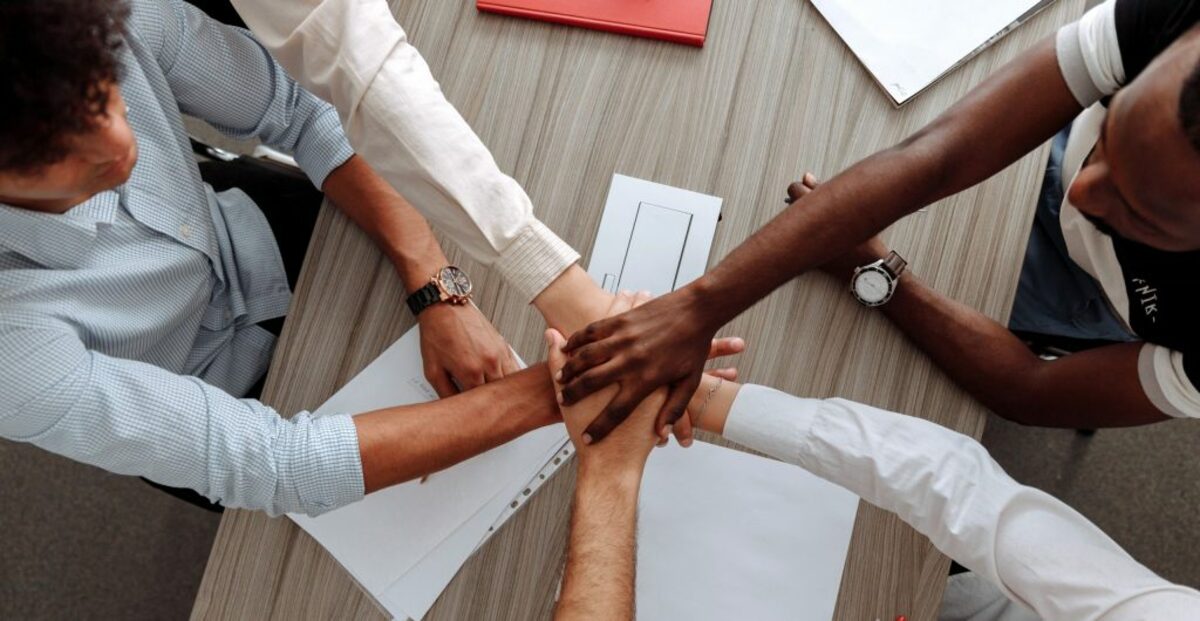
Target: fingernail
[(686, 443), (587, 438), (789, 200), (558, 376), (560, 398)]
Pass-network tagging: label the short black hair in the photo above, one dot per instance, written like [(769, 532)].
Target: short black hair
[(57, 58)]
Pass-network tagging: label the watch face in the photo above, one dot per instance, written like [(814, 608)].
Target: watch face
[(455, 281), (872, 286)]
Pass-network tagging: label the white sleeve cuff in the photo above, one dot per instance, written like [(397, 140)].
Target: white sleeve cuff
[(535, 259), (1089, 55), (1166, 383), (772, 422)]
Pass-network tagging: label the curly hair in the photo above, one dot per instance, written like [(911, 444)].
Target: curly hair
[(57, 58)]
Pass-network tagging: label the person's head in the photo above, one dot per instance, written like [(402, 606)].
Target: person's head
[(63, 131), (1143, 179)]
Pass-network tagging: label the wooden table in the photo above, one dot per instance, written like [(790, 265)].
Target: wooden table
[(773, 94)]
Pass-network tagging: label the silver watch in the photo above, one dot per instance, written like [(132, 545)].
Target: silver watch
[(874, 284)]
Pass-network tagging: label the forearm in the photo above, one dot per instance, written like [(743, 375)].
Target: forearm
[(994, 366), (353, 54), (572, 301), (396, 227), (599, 582), (979, 354), (946, 486), (971, 141), (403, 443)]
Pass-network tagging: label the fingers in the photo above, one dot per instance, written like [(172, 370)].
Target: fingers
[(729, 374), (509, 364), (441, 382), (800, 189), (470, 381), (677, 399), (614, 414), (594, 332), (622, 302), (683, 430), (555, 358), (583, 359), (589, 382), (726, 347)]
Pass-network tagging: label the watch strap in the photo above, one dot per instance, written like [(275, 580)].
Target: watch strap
[(894, 264), (423, 298)]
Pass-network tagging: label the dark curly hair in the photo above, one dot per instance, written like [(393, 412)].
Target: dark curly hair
[(56, 58)]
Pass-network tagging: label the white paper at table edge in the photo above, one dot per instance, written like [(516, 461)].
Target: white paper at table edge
[(420, 587), (387, 574), (898, 93), (662, 469)]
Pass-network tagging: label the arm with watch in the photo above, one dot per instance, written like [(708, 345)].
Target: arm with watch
[(662, 343), (984, 357), (460, 348), (989, 361)]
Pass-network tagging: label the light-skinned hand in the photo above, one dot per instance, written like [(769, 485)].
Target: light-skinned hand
[(461, 349)]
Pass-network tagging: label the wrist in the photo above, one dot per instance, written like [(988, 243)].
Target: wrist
[(699, 303), (620, 474), (415, 271)]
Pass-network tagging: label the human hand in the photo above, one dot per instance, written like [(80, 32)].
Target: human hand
[(459, 345), (662, 343), (629, 445), (842, 266)]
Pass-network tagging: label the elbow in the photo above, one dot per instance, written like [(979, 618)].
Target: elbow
[(1015, 394), (938, 155)]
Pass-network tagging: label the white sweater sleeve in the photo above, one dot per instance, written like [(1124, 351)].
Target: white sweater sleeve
[(1039, 551), (353, 54)]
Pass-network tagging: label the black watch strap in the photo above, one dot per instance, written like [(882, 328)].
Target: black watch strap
[(423, 298)]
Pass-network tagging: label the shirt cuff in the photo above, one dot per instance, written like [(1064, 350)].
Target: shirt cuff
[(535, 259), (323, 147), (1074, 67), (320, 465), (1165, 382), (772, 422)]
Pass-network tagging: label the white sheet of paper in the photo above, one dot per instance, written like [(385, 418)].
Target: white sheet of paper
[(652, 237), (908, 44), (417, 590), (724, 534), (382, 538)]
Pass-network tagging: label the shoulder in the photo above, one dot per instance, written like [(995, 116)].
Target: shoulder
[(1144, 28)]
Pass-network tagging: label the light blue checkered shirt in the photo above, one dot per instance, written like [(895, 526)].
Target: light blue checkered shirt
[(127, 323)]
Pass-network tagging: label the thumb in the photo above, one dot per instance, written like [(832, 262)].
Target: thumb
[(555, 358)]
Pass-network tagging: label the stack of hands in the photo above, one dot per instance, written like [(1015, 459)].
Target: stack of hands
[(628, 445)]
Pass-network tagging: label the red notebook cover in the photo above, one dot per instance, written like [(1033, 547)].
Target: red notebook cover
[(679, 21)]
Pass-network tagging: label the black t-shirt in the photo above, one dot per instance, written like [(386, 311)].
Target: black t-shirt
[(1163, 287)]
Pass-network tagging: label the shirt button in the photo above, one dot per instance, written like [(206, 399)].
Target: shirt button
[(185, 231)]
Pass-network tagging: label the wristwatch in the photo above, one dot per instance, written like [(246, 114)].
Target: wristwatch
[(874, 284), (450, 284)]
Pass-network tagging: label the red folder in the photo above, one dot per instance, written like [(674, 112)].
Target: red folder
[(679, 21)]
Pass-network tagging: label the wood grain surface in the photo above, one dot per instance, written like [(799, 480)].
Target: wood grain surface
[(774, 93)]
